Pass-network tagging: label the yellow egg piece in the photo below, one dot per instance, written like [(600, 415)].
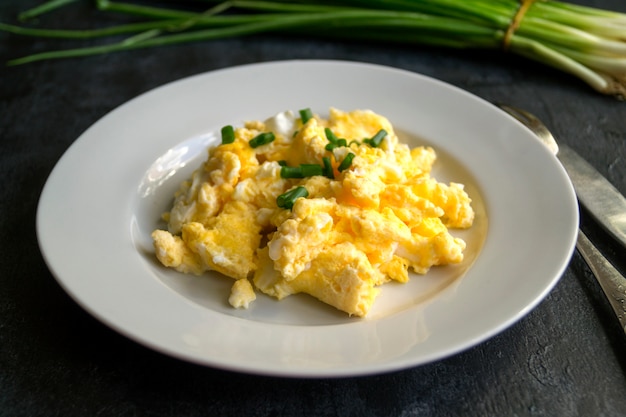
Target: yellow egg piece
[(241, 294)]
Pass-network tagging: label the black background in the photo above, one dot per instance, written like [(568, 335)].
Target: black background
[(567, 357)]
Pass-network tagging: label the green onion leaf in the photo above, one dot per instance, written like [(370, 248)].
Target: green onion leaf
[(261, 139), (282, 163), (583, 41), (228, 135), (333, 140), (291, 172), (328, 168), (287, 200), (347, 161), (377, 139), (311, 170), (306, 115), (43, 8), (302, 171), (330, 135)]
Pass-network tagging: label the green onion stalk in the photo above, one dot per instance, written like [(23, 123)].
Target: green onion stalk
[(586, 42)]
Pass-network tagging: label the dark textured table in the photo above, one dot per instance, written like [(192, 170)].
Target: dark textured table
[(567, 357)]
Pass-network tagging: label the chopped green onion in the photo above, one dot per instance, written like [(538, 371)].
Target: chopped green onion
[(306, 115), (330, 135), (287, 200), (347, 161), (377, 139), (311, 170), (261, 139), (333, 140), (328, 168), (228, 135), (282, 163), (302, 171), (291, 172)]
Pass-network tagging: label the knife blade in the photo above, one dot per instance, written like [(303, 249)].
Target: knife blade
[(603, 201)]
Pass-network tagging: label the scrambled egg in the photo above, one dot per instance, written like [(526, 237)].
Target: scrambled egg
[(368, 211)]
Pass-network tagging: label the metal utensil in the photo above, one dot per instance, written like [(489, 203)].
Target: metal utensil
[(609, 209)]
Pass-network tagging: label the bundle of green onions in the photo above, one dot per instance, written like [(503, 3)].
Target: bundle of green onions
[(586, 42)]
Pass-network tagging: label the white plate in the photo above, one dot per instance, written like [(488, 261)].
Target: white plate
[(107, 192)]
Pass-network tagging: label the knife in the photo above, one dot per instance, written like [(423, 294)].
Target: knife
[(603, 201)]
